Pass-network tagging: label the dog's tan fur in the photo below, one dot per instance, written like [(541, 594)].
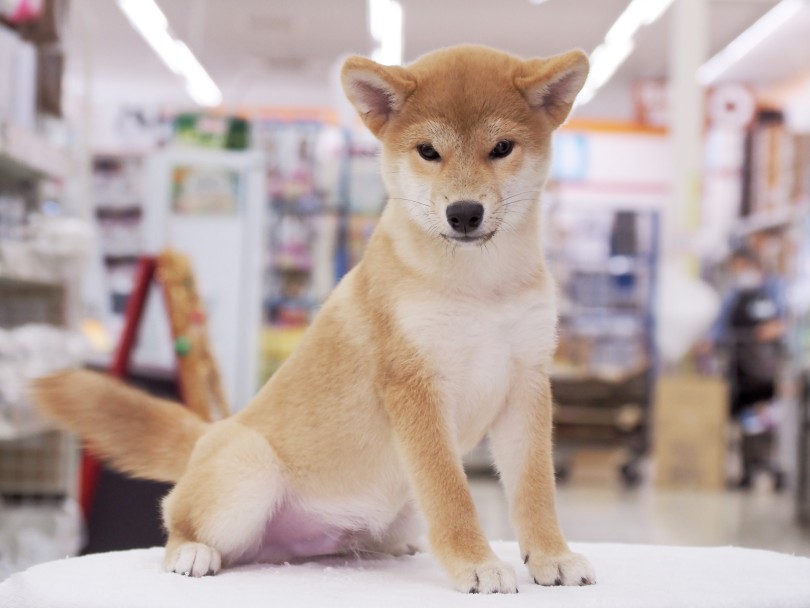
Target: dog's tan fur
[(424, 348), (125, 423)]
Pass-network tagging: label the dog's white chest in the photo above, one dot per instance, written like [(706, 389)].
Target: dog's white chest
[(474, 347)]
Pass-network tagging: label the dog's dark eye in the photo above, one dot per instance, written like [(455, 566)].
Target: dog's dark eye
[(502, 148), (428, 152)]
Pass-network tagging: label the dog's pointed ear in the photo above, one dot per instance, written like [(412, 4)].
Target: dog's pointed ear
[(376, 91), (551, 85)]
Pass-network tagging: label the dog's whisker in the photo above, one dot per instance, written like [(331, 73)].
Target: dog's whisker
[(537, 192), (522, 200), (517, 202), (410, 200)]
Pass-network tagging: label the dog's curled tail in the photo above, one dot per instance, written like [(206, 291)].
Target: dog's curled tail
[(136, 433)]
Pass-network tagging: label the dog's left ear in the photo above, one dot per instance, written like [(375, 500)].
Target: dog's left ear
[(552, 84), (376, 91)]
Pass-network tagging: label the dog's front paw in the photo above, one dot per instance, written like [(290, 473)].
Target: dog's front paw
[(493, 576), (193, 559), (564, 569)]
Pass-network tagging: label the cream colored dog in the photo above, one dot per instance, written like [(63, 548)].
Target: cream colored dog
[(443, 334)]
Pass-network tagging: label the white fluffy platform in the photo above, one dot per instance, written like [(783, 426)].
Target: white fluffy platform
[(629, 576)]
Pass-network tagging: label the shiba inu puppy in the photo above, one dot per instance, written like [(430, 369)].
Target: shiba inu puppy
[(443, 334)]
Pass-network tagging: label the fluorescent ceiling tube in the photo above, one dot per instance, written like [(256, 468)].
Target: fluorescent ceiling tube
[(748, 40), (385, 26), (605, 60), (150, 22), (619, 43), (637, 14)]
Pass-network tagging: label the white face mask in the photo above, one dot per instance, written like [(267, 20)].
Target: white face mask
[(748, 279)]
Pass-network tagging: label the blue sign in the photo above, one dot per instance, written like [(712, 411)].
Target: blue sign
[(570, 157)]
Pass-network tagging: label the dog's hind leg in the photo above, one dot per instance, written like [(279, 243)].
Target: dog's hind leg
[(404, 536), (218, 511)]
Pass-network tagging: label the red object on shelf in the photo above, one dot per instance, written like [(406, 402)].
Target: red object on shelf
[(22, 11), (145, 273)]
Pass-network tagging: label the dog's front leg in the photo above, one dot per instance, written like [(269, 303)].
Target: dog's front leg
[(437, 475), (521, 444)]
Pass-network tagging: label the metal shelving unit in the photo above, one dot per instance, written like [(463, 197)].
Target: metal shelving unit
[(800, 358), (605, 367), (38, 465), (26, 156)]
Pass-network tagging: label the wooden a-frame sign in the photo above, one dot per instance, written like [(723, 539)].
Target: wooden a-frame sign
[(200, 385)]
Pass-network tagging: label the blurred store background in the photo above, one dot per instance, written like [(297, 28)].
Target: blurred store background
[(677, 223)]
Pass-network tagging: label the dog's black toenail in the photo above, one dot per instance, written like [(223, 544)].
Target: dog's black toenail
[(585, 581), (536, 582), (557, 582), (526, 559), (473, 590)]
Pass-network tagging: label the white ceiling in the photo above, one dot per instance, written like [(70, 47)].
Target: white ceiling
[(277, 51)]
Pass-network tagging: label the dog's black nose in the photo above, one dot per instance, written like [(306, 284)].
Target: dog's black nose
[(465, 216)]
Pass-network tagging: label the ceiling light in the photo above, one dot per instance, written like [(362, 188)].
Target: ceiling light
[(605, 60), (150, 22), (385, 26), (618, 44), (637, 14), (748, 40)]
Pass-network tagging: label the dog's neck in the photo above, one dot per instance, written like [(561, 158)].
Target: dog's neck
[(511, 261)]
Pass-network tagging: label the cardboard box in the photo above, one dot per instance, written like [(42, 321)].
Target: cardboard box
[(690, 432)]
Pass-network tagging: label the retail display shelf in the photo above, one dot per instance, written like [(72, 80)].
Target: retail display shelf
[(132, 209), (615, 374), (121, 258), (52, 287), (27, 156), (8, 281), (13, 431), (770, 220)]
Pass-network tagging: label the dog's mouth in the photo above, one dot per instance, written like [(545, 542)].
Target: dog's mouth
[(477, 240)]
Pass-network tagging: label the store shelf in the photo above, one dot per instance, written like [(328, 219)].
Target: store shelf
[(16, 430), (118, 199), (120, 259), (133, 211), (26, 156), (771, 220), (25, 301)]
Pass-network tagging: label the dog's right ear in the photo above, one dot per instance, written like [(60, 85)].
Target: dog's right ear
[(376, 91)]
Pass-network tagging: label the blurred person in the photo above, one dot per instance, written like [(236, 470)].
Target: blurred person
[(750, 329)]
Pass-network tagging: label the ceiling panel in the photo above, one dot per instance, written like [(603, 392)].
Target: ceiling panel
[(781, 57), (282, 35), (242, 42), (513, 25), (727, 18)]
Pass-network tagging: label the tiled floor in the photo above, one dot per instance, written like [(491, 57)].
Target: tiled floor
[(599, 511)]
